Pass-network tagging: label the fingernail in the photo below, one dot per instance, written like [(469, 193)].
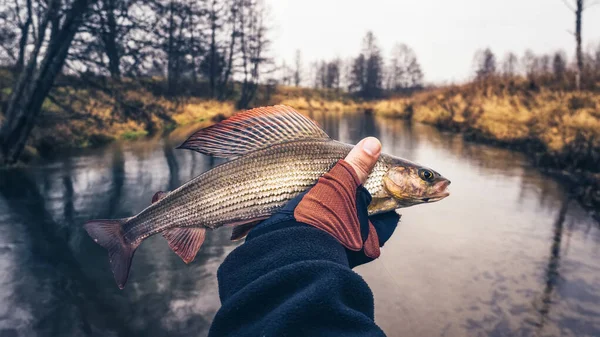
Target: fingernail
[(372, 146)]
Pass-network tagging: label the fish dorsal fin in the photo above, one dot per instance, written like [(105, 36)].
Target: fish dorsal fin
[(159, 195), (252, 130)]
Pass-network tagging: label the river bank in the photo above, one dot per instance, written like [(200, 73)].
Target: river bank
[(558, 130), (82, 113)]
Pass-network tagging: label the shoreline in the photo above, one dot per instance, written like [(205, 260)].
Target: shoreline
[(558, 130)]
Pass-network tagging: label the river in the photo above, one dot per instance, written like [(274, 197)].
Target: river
[(507, 254)]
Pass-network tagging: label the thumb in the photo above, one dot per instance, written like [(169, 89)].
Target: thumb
[(363, 157)]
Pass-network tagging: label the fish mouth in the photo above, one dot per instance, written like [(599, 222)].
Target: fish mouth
[(441, 192), (435, 198)]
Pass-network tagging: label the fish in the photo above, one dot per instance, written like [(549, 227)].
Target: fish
[(274, 154)]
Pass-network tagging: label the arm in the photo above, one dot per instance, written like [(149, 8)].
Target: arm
[(294, 280)]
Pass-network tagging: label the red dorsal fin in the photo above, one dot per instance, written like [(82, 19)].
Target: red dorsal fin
[(185, 241), (252, 130)]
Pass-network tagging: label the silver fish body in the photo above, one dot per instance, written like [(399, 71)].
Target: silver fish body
[(248, 188)]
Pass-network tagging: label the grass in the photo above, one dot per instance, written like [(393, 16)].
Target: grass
[(132, 135), (80, 115), (557, 124), (197, 110), (310, 100)]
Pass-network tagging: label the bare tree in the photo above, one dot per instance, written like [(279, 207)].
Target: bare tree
[(215, 60), (367, 69), (357, 77), (313, 74), (544, 64), (578, 53), (510, 64), (175, 47), (286, 74), (254, 45), (232, 25), (330, 74), (404, 71), (346, 74), (24, 27), (485, 63), (530, 64), (597, 62), (36, 79), (109, 39), (578, 7), (16, 21), (322, 74), (298, 68), (559, 65)]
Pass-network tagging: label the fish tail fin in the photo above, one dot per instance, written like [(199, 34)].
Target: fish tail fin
[(109, 234)]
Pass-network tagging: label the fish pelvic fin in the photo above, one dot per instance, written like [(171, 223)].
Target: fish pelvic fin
[(109, 234), (252, 130), (185, 241), (241, 231)]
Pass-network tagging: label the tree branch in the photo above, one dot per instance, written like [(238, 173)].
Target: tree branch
[(593, 3), (18, 14), (569, 6), (8, 51)]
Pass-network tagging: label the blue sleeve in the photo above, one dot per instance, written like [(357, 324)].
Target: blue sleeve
[(290, 279)]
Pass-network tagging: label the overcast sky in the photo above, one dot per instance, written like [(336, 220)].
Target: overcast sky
[(444, 33)]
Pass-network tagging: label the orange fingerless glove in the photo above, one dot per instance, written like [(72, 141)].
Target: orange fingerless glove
[(331, 205)]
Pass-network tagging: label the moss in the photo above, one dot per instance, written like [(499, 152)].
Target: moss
[(132, 135)]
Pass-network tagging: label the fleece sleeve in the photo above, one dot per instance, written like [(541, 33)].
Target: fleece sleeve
[(290, 279)]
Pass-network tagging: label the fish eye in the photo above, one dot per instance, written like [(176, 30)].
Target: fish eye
[(426, 175)]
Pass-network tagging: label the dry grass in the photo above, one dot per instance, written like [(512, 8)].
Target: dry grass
[(77, 117), (560, 130), (198, 110), (310, 100), (558, 120), (397, 107)]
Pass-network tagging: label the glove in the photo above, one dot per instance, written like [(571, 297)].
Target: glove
[(337, 204)]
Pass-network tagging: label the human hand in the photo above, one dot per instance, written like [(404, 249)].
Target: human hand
[(338, 203)]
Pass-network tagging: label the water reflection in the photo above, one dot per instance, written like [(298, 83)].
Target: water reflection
[(507, 254), (552, 269)]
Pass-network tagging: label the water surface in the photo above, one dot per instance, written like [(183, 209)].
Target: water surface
[(508, 254)]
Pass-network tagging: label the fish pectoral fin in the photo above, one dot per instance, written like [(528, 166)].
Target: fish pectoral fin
[(185, 241), (241, 231), (252, 130)]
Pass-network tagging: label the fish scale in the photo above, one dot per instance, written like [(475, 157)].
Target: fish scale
[(251, 187)]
